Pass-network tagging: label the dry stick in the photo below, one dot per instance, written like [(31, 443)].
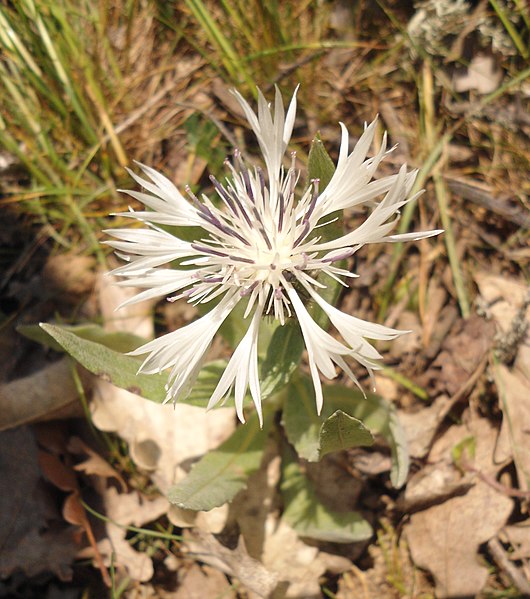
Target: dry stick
[(468, 191), (499, 555), (495, 484)]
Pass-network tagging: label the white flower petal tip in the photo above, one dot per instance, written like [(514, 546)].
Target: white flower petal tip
[(261, 244)]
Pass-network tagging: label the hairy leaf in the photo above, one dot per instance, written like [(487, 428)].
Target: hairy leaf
[(222, 473), (342, 431), (303, 425), (310, 518)]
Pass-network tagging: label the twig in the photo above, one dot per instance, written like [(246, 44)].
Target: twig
[(499, 555), (470, 191), (495, 484)]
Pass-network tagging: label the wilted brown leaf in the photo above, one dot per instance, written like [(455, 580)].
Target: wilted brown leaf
[(298, 566), (462, 352), (32, 537), (514, 394), (123, 510), (445, 538), (48, 394), (198, 582), (63, 477), (94, 464)]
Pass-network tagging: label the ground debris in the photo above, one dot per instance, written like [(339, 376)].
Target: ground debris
[(33, 536)]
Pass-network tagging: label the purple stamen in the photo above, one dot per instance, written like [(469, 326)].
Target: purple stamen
[(282, 209), (246, 180), (229, 231), (261, 181), (249, 289), (223, 193), (346, 254), (237, 202), (303, 234), (206, 250), (198, 204), (261, 228), (313, 202), (241, 259)]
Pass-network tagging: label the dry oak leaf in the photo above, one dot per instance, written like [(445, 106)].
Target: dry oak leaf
[(463, 350), (445, 538), (94, 464), (74, 513), (514, 399), (200, 582), (123, 510)]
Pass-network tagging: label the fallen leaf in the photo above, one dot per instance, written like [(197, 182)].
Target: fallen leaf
[(514, 393), (505, 299), (63, 477), (212, 521), (32, 536), (421, 426), (94, 464), (445, 538), (122, 510), (462, 351), (48, 394), (199, 582), (298, 566), (501, 297)]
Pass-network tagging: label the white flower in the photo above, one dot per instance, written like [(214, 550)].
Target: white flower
[(260, 245)]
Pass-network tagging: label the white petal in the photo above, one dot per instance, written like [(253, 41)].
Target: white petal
[(183, 350), (241, 367)]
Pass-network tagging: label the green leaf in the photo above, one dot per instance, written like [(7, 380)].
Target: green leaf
[(110, 365), (222, 473), (205, 385), (302, 424), (282, 358), (310, 518), (101, 359), (235, 326), (342, 431), (118, 340), (319, 164)]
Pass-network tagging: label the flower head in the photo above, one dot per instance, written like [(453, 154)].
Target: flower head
[(260, 245)]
